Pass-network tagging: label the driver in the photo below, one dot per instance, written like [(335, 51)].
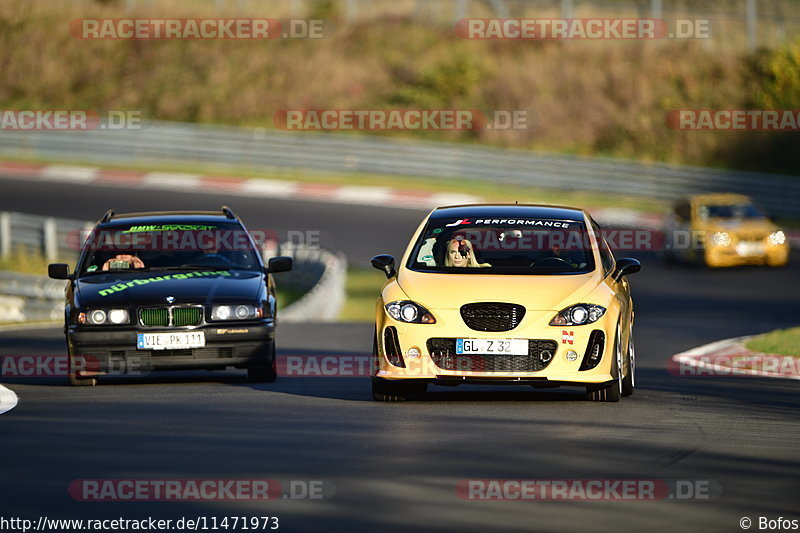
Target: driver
[(123, 261), (460, 254)]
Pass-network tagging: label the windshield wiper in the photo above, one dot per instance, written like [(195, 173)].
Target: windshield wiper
[(195, 267)]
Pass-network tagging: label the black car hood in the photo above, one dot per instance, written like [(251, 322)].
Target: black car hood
[(154, 286)]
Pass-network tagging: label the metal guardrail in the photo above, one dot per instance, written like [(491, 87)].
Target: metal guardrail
[(30, 298), (322, 274), (50, 237), (160, 142)]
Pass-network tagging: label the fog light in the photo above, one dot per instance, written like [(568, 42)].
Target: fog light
[(413, 352), (545, 356), (572, 355)]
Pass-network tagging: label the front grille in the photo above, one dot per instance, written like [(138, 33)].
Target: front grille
[(154, 317), (489, 316), (540, 353), (171, 316), (186, 316)]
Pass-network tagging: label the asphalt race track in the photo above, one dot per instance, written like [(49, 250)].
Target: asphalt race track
[(394, 467)]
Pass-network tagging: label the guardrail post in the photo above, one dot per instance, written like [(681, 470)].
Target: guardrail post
[(656, 9), (5, 234), (50, 239), (460, 9), (752, 24), (567, 9)]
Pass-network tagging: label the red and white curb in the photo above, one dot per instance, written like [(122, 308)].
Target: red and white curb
[(8, 400), (249, 187), (293, 190), (730, 357)]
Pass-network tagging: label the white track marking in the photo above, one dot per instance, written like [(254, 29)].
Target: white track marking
[(70, 173), (8, 400)]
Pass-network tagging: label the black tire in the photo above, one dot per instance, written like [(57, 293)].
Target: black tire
[(385, 391), (265, 373), (629, 381), (76, 381), (613, 391)]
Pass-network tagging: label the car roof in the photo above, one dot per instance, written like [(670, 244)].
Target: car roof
[(554, 212), (225, 214), (147, 219)]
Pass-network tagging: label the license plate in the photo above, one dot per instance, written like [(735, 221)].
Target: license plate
[(171, 341), (492, 346), (746, 248)]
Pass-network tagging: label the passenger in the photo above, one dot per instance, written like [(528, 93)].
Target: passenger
[(123, 261), (460, 254)]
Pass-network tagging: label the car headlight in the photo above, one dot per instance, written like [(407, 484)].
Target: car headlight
[(577, 315), (236, 312), (721, 238), (97, 317), (411, 312), (776, 238)]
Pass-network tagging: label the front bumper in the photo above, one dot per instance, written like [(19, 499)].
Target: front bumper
[(735, 255), (560, 370), (111, 350)]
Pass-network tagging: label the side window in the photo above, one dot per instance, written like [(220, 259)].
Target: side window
[(606, 257)]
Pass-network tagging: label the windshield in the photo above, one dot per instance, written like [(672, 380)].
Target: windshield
[(730, 211), (505, 246), (173, 246)]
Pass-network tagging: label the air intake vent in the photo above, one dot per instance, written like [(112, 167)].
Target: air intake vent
[(391, 347), (488, 316)]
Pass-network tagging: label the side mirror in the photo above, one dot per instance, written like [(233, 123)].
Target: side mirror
[(58, 271), (385, 262), (280, 264), (625, 266)]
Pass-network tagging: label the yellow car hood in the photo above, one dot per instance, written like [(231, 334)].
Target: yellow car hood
[(451, 291)]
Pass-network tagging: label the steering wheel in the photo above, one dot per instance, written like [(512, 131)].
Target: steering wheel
[(551, 259)]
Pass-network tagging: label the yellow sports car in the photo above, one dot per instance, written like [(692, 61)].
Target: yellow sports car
[(505, 294), (721, 230)]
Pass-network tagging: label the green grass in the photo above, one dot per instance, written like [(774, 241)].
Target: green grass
[(287, 297), (363, 288), (780, 342)]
